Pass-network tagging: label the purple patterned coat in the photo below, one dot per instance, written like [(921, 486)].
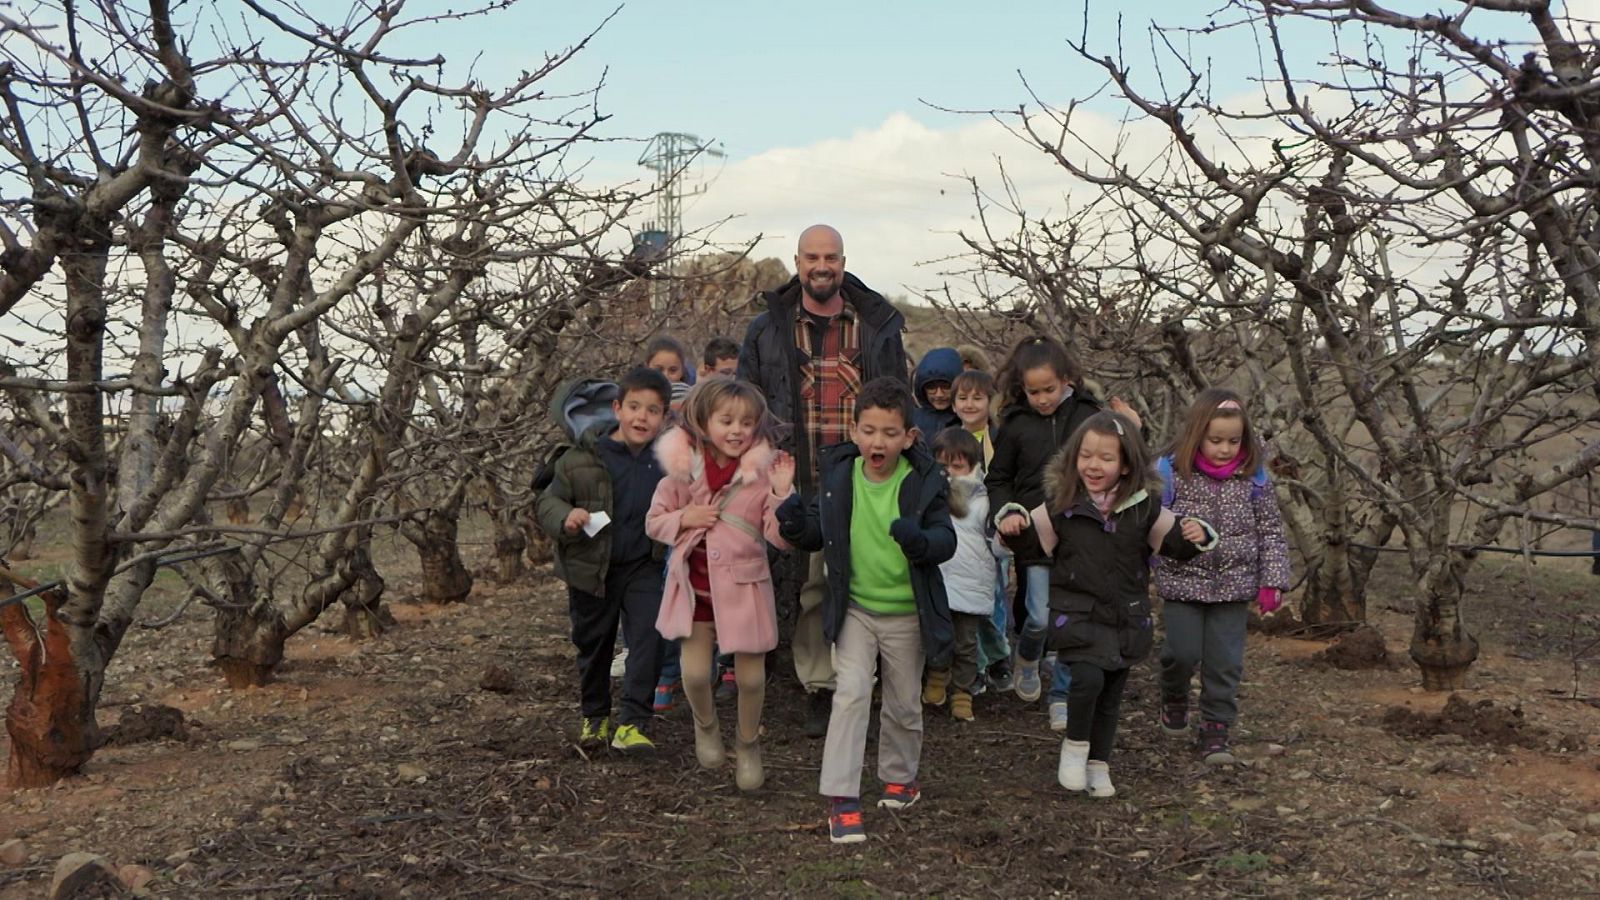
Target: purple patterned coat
[(1253, 552)]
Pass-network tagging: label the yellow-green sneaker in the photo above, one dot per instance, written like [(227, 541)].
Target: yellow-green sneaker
[(628, 738), (594, 732)]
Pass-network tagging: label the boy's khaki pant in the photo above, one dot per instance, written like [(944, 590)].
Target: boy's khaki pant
[(813, 658), (864, 640)]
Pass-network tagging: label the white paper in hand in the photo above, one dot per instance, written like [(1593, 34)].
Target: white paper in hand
[(597, 521)]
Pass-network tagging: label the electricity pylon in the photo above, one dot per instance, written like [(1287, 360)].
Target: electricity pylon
[(668, 154)]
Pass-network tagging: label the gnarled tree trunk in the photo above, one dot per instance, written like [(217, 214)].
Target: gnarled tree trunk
[(445, 578), (51, 716), (1440, 644)]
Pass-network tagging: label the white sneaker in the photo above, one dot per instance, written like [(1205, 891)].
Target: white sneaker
[(1098, 778), (1071, 771), (1058, 716), (619, 663)]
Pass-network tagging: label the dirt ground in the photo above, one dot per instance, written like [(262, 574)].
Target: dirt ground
[(386, 769)]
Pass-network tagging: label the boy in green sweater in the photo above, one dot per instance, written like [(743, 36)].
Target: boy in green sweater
[(881, 517)]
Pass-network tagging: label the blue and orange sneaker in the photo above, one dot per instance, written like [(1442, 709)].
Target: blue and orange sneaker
[(900, 796), (663, 700), (844, 821)]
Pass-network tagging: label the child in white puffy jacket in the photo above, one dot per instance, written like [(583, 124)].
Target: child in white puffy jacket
[(969, 576)]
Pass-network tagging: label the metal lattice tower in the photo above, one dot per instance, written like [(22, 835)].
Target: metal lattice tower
[(668, 155)]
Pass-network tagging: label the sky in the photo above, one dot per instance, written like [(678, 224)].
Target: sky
[(867, 116), (872, 116)]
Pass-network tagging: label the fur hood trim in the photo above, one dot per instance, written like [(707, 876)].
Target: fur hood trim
[(681, 459)]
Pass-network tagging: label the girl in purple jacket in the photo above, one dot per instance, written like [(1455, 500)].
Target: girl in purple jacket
[(1214, 471), (715, 507)]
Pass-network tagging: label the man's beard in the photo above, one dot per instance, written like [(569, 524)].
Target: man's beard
[(822, 294)]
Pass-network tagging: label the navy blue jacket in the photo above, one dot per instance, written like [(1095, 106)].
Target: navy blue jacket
[(823, 523), (939, 364)]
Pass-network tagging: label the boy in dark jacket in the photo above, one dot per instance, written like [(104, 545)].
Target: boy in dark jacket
[(881, 517), (611, 569), (931, 387)]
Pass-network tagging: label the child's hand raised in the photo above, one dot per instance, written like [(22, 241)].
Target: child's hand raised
[(1121, 407), (1013, 525), (576, 519), (700, 515), (782, 474)]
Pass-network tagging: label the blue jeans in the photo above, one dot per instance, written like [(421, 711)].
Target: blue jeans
[(1030, 646), (1061, 682), (993, 645)]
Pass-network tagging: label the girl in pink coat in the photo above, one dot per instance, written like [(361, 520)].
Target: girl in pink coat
[(715, 508)]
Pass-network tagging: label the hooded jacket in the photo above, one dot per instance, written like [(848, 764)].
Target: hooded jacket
[(969, 575), (770, 359), (1100, 570), (939, 364), (822, 522), (574, 476), (742, 603)]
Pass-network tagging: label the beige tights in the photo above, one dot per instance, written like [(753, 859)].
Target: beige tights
[(749, 673)]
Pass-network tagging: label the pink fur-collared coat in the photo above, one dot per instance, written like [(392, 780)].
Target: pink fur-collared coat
[(742, 602)]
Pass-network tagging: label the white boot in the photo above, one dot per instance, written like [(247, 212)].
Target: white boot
[(1074, 756), (1099, 778)]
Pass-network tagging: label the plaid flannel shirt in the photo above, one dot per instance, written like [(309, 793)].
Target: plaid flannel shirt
[(831, 379)]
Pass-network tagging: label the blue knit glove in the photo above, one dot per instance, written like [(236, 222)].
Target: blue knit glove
[(907, 532)]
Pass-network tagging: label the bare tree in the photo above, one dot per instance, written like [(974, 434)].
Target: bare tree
[(1405, 285), (225, 210)]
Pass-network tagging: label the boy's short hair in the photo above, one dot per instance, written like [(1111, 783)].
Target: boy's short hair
[(973, 380), (957, 442), (720, 348), (885, 393), (644, 378)]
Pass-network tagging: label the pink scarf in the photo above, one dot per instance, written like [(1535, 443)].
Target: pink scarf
[(1221, 472)]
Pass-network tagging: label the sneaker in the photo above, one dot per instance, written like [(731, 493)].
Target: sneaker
[(663, 701), (980, 686), (1214, 744), (1028, 686), (727, 687), (619, 664), (844, 821), (1000, 678), (900, 796), (1058, 715), (629, 739), (819, 707), (1175, 716), (934, 692), (594, 732), (961, 706)]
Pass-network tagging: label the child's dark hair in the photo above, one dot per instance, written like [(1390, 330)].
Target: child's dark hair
[(959, 443), (644, 378), (885, 393), (1061, 475), (1032, 353), (670, 344), (1211, 404), (718, 349), (705, 397)]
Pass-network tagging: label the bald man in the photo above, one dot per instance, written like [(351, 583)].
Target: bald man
[(824, 334)]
